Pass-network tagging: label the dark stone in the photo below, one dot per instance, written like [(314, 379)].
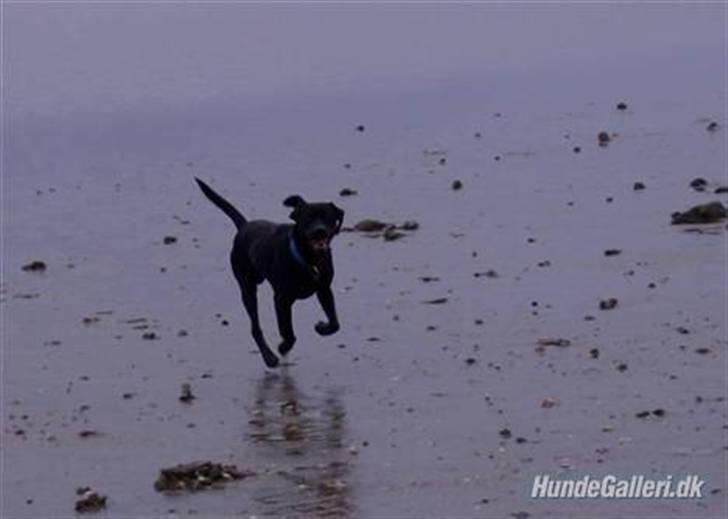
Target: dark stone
[(34, 266), (192, 477), (700, 214), (608, 304)]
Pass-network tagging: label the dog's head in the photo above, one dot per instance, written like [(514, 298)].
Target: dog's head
[(316, 223)]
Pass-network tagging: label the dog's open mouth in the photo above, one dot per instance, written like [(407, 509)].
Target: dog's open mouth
[(319, 245)]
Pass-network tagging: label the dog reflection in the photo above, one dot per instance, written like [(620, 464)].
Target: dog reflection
[(304, 437)]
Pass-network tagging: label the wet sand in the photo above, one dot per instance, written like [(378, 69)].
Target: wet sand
[(404, 412)]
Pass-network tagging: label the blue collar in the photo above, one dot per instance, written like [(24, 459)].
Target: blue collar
[(295, 252), (312, 270)]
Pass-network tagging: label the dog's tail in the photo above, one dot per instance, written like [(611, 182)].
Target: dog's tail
[(223, 204)]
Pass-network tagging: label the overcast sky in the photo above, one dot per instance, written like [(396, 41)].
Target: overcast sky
[(68, 57)]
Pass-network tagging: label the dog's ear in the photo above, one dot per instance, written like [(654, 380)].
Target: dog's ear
[(339, 212), (297, 202), (294, 201)]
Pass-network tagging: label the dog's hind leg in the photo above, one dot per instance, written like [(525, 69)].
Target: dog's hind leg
[(284, 307), (249, 292)]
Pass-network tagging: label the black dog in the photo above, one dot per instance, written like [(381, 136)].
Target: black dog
[(295, 259)]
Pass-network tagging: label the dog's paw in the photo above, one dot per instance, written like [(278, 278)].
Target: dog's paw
[(325, 329), (270, 360), (285, 347)]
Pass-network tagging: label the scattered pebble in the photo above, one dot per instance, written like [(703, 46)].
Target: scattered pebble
[(457, 185), (437, 301), (370, 225), (613, 252), (561, 343), (492, 274), (638, 186), (712, 126), (169, 240), (186, 395), (699, 184), (391, 234), (90, 501), (150, 336), (657, 412), (34, 266), (348, 192), (608, 304), (548, 403), (603, 139), (621, 106), (409, 225)]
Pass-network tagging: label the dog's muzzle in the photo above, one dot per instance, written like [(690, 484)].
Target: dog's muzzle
[(320, 245), (320, 239)]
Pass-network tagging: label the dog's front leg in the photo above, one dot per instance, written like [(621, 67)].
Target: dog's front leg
[(326, 298), (284, 306), (249, 292)]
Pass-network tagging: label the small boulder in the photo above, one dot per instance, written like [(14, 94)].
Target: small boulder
[(711, 212)]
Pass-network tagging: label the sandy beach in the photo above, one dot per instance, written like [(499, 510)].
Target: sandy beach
[(479, 122)]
